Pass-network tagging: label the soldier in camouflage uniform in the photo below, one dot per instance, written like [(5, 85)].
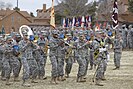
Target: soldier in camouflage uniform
[(61, 57), (41, 55), (69, 55), (124, 36), (1, 58), (53, 44), (10, 62), (129, 37), (28, 61), (100, 59), (117, 51), (81, 54)]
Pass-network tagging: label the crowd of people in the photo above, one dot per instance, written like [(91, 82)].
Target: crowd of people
[(85, 47)]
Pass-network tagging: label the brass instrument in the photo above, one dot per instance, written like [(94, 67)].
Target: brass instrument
[(46, 47), (69, 50)]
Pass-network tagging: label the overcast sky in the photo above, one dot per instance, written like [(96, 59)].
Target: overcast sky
[(30, 5)]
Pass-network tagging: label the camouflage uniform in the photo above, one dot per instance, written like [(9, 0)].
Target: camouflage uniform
[(101, 61), (10, 62), (81, 54), (69, 60), (117, 51), (124, 36), (60, 59), (129, 37), (30, 67), (53, 44)]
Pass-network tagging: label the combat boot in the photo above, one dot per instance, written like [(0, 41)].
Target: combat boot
[(103, 78), (98, 83), (54, 80), (63, 78), (67, 75), (33, 81), (25, 83), (91, 68), (16, 79), (81, 79), (3, 79), (42, 78), (7, 82)]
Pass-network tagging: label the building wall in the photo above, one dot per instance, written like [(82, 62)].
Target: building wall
[(14, 20)]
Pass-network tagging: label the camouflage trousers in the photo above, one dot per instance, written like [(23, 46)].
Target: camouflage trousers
[(11, 64), (117, 58), (0, 64), (69, 63), (101, 68), (54, 62), (41, 66), (91, 58), (87, 63), (30, 68), (82, 66), (60, 66)]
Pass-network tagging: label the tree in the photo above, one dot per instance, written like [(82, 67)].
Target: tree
[(73, 7), (4, 5), (130, 6)]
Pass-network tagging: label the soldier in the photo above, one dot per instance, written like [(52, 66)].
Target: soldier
[(53, 44), (100, 59), (117, 51), (10, 61), (129, 37), (81, 54), (69, 55), (42, 55), (124, 36), (87, 54), (28, 61), (1, 52), (61, 57), (1, 58)]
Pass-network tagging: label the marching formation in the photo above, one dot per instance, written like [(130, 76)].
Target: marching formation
[(29, 52)]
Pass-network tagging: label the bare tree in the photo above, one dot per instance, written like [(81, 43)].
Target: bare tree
[(9, 5), (4, 5), (74, 7)]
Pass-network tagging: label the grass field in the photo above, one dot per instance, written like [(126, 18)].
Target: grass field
[(116, 79)]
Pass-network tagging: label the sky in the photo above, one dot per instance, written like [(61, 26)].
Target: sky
[(30, 5)]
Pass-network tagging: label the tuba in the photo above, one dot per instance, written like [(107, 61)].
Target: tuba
[(24, 29)]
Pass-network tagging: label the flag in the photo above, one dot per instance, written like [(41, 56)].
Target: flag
[(115, 15), (52, 16), (97, 26), (73, 22), (89, 21), (63, 23), (82, 21)]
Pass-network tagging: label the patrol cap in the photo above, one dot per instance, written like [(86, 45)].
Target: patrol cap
[(69, 35), (124, 25), (130, 26), (8, 37), (55, 32)]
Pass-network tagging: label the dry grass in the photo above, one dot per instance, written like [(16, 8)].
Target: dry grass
[(116, 79)]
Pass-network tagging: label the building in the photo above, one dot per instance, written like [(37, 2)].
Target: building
[(42, 18), (13, 19)]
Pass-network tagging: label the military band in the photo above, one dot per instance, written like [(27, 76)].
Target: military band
[(84, 47)]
